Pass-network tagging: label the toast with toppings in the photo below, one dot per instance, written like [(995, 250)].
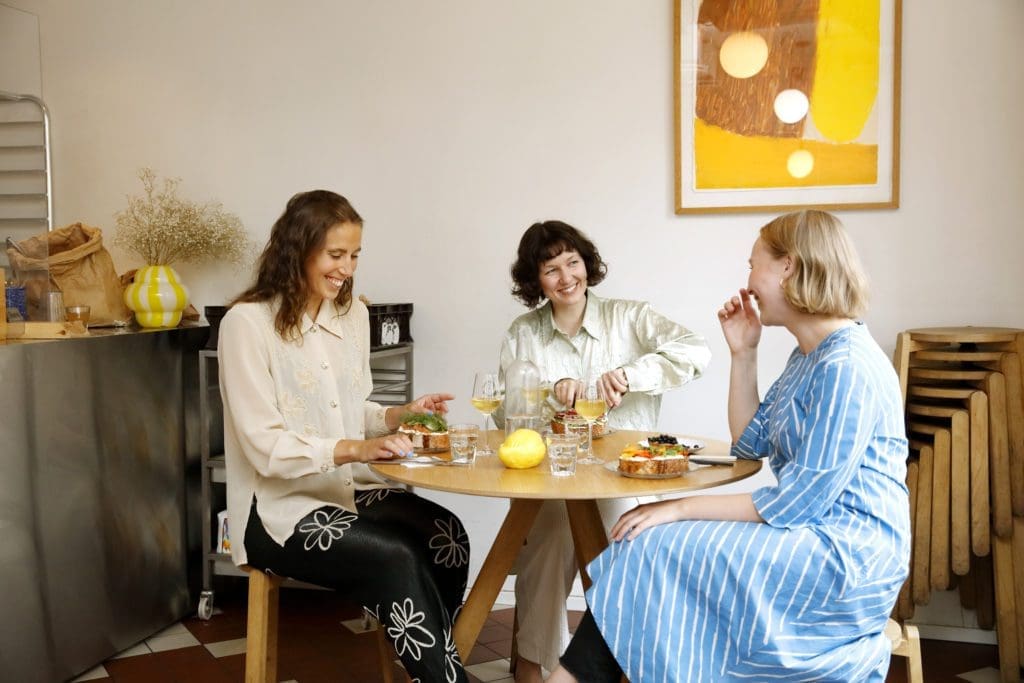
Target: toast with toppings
[(655, 459), (426, 431)]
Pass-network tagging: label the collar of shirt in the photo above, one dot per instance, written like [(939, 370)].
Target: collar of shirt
[(593, 321), (328, 318)]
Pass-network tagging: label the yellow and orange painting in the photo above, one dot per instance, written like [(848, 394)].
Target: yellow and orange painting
[(789, 94)]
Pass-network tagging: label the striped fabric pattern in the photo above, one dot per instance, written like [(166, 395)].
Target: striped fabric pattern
[(157, 296), (804, 597)]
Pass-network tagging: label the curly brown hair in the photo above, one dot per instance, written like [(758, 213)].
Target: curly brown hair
[(542, 242), (300, 232)]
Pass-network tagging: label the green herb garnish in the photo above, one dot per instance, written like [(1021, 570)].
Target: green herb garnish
[(434, 423)]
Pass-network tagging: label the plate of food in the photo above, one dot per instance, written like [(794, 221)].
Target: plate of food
[(645, 460), (562, 417), (691, 445), (427, 431), (614, 467)]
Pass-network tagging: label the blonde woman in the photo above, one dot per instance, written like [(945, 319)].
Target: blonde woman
[(793, 582)]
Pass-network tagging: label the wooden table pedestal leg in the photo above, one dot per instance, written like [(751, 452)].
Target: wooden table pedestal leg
[(588, 534), (495, 569)]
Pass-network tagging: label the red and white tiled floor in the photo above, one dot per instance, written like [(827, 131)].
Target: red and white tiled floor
[(321, 640)]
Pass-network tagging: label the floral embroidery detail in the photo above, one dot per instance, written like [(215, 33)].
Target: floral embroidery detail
[(325, 528), (372, 496), (405, 630), (292, 405), (451, 658), (306, 380), (310, 430), (452, 544)]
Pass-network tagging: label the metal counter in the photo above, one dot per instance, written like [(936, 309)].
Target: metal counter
[(93, 529)]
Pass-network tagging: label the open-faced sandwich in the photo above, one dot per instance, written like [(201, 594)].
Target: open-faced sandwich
[(563, 416), (426, 431), (655, 458)]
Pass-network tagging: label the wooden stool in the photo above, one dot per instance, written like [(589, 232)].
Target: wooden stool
[(261, 631), (906, 643), (945, 373)]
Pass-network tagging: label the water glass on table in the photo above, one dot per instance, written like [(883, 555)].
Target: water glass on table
[(562, 452), (580, 428), (463, 439)]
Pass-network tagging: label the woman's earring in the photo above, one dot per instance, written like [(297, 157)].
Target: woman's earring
[(782, 283)]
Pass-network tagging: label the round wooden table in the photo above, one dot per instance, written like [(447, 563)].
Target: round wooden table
[(527, 489)]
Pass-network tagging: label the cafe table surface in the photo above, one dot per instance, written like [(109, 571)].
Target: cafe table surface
[(528, 488)]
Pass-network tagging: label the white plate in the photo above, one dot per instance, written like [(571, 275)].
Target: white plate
[(420, 460), (614, 467), (426, 459), (694, 445)]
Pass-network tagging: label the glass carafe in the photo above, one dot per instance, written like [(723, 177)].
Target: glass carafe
[(523, 392)]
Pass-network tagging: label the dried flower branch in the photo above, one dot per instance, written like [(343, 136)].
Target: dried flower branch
[(164, 229)]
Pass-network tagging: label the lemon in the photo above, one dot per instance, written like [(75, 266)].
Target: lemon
[(522, 449)]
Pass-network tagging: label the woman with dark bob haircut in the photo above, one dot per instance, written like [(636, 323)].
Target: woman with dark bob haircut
[(299, 430), (544, 241), (641, 355)]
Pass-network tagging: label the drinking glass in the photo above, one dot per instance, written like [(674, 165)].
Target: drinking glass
[(562, 452), (463, 439), (590, 406), (487, 396), (77, 314)]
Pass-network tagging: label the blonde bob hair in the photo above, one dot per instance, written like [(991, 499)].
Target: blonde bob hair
[(827, 277)]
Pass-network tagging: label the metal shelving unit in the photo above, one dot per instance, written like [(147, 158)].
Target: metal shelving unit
[(391, 368), (26, 181)]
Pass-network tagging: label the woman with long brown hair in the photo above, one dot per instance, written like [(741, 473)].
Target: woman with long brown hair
[(299, 430)]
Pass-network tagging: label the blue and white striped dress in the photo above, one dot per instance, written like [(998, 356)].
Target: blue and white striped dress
[(804, 597)]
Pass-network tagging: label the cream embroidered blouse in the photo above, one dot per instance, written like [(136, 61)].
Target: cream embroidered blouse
[(286, 405)]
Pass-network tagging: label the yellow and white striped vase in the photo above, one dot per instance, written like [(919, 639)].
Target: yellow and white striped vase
[(156, 296)]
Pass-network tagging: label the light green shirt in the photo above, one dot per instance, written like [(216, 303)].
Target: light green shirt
[(656, 353)]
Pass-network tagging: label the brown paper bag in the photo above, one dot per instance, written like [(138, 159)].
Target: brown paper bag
[(80, 266)]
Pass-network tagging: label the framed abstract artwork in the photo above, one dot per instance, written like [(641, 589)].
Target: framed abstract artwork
[(786, 104)]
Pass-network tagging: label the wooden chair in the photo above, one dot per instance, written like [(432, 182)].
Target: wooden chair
[(906, 643), (261, 631)]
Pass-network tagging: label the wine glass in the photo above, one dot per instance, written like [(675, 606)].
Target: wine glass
[(590, 406), (487, 396)]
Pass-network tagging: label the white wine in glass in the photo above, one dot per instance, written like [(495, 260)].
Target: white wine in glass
[(590, 406), (486, 399)]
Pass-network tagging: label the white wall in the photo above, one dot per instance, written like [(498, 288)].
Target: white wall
[(19, 52), (454, 124)]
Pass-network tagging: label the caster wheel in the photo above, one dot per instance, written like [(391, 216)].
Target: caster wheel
[(205, 605)]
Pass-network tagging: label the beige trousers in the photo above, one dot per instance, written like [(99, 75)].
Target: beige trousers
[(545, 570)]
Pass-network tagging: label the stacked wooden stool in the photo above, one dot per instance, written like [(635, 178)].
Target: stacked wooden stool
[(964, 402)]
